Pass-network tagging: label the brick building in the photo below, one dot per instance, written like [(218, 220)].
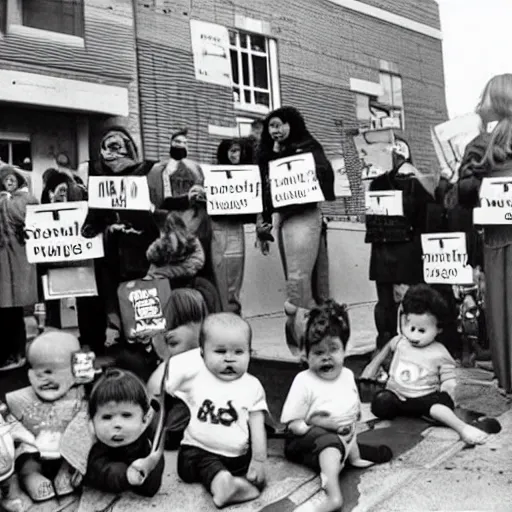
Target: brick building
[(343, 63), (67, 67)]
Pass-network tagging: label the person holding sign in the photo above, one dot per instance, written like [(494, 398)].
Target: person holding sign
[(228, 237), (127, 233), (18, 278), (490, 155), (299, 221), (396, 255)]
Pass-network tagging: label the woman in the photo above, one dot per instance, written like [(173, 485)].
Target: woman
[(18, 278), (228, 236), (396, 253), (299, 226), (490, 155)]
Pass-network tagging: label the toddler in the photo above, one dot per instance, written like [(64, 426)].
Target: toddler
[(224, 446), (422, 372), (122, 459), (323, 406), (45, 409)]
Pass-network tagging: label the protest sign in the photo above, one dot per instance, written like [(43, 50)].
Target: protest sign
[(67, 282), (384, 202), (119, 193), (53, 233), (374, 148), (232, 189), (341, 181), (495, 202), (445, 259), (293, 180)]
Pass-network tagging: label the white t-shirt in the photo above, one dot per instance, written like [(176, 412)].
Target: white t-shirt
[(219, 410), (311, 394)]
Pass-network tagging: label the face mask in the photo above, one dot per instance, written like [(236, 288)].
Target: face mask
[(178, 153)]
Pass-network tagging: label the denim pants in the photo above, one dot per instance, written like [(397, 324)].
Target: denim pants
[(299, 236), (228, 258)]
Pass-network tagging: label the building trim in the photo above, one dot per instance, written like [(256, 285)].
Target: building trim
[(388, 17), (47, 35), (366, 87), (15, 136), (50, 91), (223, 131)]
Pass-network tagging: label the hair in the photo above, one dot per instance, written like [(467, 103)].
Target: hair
[(246, 156), (177, 133), (185, 306), (52, 178), (398, 158), (328, 319), (497, 94), (224, 320), (117, 385), (257, 123), (422, 299)]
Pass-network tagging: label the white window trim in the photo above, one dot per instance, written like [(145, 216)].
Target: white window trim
[(15, 136), (366, 87), (15, 27)]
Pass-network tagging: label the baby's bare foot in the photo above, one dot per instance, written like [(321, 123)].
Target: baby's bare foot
[(471, 435), (361, 463), (227, 490), (38, 487)]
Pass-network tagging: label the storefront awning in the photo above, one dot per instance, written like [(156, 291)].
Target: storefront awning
[(50, 91)]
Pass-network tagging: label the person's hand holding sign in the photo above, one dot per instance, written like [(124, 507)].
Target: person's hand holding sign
[(197, 194)]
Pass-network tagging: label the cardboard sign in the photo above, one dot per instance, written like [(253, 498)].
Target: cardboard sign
[(445, 259), (293, 180), (67, 282), (341, 181), (210, 45), (385, 202), (495, 202), (119, 193), (53, 233), (232, 189)]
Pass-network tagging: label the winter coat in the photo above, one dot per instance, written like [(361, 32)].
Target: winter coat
[(400, 261), (18, 278)]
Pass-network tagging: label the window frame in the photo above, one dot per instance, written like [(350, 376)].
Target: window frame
[(11, 137), (391, 105), (15, 26), (270, 54)]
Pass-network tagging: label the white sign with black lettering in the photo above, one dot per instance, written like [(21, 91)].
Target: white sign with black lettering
[(445, 259), (495, 202), (53, 233), (293, 180), (232, 189), (384, 202), (119, 193)]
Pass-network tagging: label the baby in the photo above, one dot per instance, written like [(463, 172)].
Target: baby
[(45, 409), (123, 458), (422, 372), (323, 406), (224, 446)]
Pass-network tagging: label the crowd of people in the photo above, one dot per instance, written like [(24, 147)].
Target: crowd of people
[(216, 412)]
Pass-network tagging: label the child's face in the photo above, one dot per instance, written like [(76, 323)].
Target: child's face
[(226, 352), (119, 424), (420, 330), (326, 358), (10, 183)]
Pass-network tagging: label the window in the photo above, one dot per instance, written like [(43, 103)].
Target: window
[(16, 152), (57, 16), (253, 66), (391, 99)]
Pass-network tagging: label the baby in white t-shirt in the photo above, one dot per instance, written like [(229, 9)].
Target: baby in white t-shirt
[(224, 446), (323, 406)]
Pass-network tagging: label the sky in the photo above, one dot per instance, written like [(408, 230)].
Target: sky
[(477, 44)]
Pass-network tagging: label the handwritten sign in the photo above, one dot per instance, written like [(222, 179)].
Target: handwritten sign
[(232, 189), (210, 45), (53, 233), (119, 193), (293, 180), (445, 259), (385, 202), (495, 202)]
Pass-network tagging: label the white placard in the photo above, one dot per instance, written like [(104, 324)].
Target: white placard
[(232, 189), (53, 233), (119, 193), (293, 180), (495, 202), (384, 202), (210, 45), (445, 259)]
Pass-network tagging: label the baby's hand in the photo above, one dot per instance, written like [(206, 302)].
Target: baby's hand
[(256, 473), (135, 474)]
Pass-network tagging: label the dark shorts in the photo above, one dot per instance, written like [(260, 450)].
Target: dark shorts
[(387, 405), (306, 449), (198, 465)]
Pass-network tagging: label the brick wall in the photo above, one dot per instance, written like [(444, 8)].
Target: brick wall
[(320, 47)]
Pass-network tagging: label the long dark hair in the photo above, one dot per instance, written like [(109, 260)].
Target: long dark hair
[(246, 151)]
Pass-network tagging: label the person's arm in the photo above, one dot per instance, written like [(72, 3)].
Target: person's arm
[(296, 407), (104, 474), (256, 471), (370, 372), (152, 482), (447, 374), (324, 173)]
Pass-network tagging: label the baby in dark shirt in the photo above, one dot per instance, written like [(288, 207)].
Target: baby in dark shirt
[(122, 458)]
